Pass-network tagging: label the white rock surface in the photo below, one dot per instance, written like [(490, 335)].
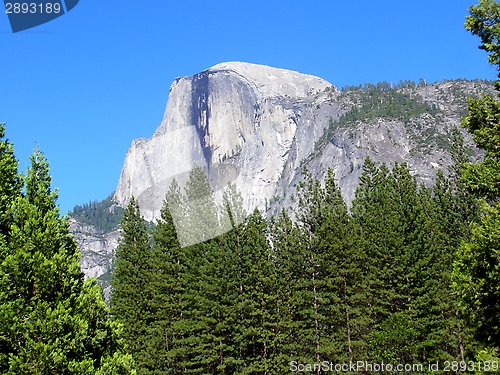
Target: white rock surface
[(97, 249), (243, 114)]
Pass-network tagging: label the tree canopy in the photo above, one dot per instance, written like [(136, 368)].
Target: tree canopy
[(477, 266), (51, 320)]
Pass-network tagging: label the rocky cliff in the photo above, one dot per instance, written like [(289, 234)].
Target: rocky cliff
[(259, 126), (237, 115), (98, 250)]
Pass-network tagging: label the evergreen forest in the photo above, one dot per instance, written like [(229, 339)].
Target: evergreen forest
[(373, 284), (104, 215), (407, 275)]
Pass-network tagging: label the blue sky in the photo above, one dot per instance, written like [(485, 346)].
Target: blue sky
[(83, 86)]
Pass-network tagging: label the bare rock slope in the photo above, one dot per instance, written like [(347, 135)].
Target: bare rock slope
[(98, 251), (234, 114), (265, 123)]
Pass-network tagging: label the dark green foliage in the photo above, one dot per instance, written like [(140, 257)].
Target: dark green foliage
[(165, 288), (334, 275), (413, 311), (382, 101), (477, 276), (51, 321), (130, 279), (227, 293), (346, 269), (256, 300), (314, 299), (10, 181), (382, 223), (374, 284), (206, 308), (286, 239), (104, 215), (484, 125), (477, 266)]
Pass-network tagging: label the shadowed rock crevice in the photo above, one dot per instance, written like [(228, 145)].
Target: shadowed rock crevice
[(200, 112)]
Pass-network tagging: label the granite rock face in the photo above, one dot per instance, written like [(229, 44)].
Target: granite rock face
[(234, 114), (264, 122), (98, 251), (423, 142)]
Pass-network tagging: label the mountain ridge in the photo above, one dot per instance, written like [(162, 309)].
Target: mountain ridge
[(217, 120)]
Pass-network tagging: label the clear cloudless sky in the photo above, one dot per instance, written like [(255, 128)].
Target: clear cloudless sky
[(83, 86)]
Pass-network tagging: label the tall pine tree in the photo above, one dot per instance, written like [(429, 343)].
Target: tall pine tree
[(413, 311), (202, 221), (345, 264), (165, 288), (51, 321), (130, 279), (10, 181)]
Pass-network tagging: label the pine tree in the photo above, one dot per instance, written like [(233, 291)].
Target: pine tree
[(202, 218), (384, 207), (442, 332), (165, 288), (323, 266), (455, 209), (10, 181), (228, 320), (286, 238), (130, 280), (317, 301), (199, 346), (312, 296), (226, 278), (378, 215), (51, 321), (414, 312), (255, 304), (345, 264)]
